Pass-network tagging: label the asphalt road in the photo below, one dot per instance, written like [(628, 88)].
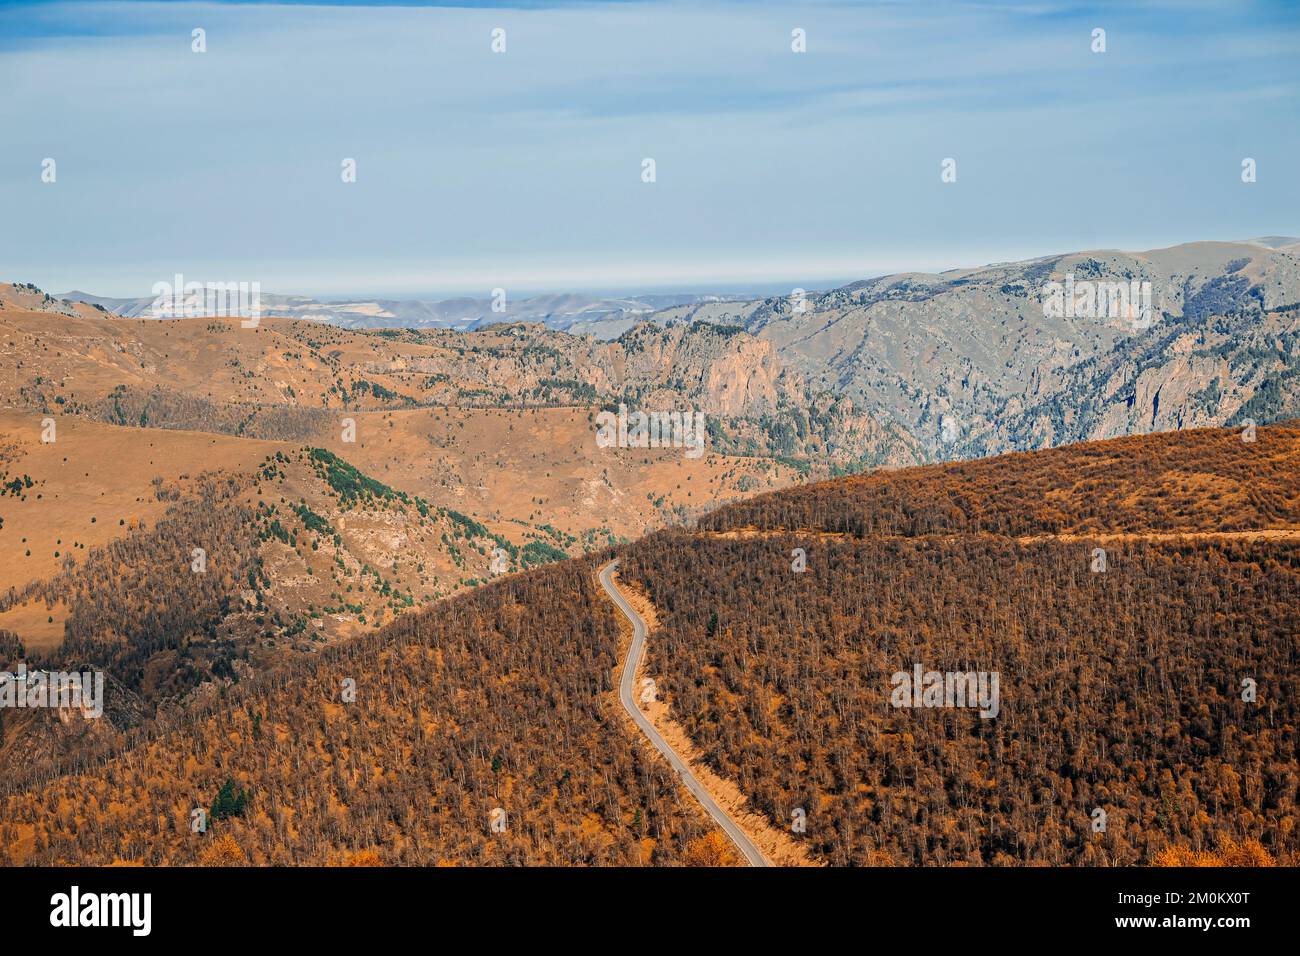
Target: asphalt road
[(626, 695)]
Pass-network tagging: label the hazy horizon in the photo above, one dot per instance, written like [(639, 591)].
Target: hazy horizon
[(721, 288)]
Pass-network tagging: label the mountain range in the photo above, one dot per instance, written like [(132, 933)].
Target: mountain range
[(207, 510), (923, 367), (604, 317)]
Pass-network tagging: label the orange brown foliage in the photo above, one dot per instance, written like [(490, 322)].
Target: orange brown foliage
[(1230, 853), (712, 849)]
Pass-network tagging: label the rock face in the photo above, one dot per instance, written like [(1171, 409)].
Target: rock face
[(757, 404), (975, 362), (725, 372), (1190, 373)]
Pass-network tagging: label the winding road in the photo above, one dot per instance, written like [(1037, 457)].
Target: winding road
[(625, 696)]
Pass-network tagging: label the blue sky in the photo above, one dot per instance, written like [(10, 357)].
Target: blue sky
[(523, 169)]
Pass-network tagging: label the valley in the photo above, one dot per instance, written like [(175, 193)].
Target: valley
[(209, 513)]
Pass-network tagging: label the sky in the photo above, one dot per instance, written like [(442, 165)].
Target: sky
[(523, 169)]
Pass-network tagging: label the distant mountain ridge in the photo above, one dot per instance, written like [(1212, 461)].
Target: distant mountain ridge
[(602, 316), (923, 366), (970, 363)]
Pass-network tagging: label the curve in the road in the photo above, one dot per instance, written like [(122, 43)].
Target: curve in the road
[(625, 696)]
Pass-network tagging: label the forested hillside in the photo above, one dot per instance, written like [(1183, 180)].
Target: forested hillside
[(500, 698), (219, 575), (1122, 683), (1203, 480), (1147, 709)]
